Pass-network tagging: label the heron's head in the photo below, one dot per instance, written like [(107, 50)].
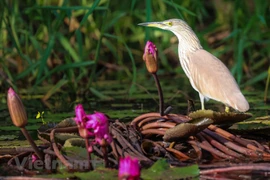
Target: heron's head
[(188, 41), (174, 25)]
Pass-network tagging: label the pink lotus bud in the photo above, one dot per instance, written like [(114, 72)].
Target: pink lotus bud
[(150, 57), (129, 169), (16, 109)]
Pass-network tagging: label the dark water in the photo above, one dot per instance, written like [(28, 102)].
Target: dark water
[(118, 103)]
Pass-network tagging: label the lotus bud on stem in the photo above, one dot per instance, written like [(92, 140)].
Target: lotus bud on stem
[(19, 118), (129, 169), (150, 58)]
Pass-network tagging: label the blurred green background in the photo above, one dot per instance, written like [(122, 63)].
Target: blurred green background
[(52, 47)]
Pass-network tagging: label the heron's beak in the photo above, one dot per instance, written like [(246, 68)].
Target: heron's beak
[(153, 24)]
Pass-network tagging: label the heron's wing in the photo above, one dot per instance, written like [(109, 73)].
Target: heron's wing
[(213, 79)]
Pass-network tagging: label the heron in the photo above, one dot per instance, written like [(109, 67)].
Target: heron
[(206, 73)]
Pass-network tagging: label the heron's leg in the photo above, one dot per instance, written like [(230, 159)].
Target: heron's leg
[(202, 100)]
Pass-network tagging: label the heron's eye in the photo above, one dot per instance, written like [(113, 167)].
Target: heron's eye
[(169, 23)]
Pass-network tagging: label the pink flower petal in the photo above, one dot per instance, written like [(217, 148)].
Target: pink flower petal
[(34, 158), (95, 124), (80, 114), (150, 48), (129, 168)]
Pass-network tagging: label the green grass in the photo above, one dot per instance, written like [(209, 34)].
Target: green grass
[(70, 45)]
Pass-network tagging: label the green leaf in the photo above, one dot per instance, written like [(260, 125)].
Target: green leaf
[(179, 7), (99, 94), (28, 70), (66, 44), (99, 173), (38, 115), (45, 57), (256, 79), (161, 170), (55, 88), (94, 7), (132, 88), (65, 67)]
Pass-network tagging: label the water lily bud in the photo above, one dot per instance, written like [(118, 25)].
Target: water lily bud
[(129, 169), (16, 109), (150, 57)]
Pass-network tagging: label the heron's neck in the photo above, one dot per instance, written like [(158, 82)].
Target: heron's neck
[(188, 43)]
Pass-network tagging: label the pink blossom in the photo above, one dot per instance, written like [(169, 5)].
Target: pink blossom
[(92, 125), (150, 48), (80, 114), (99, 125), (129, 169)]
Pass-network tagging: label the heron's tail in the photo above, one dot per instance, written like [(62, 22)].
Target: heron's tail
[(239, 102)]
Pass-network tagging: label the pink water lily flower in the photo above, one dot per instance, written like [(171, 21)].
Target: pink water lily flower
[(92, 125), (129, 169), (99, 125), (80, 120)]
